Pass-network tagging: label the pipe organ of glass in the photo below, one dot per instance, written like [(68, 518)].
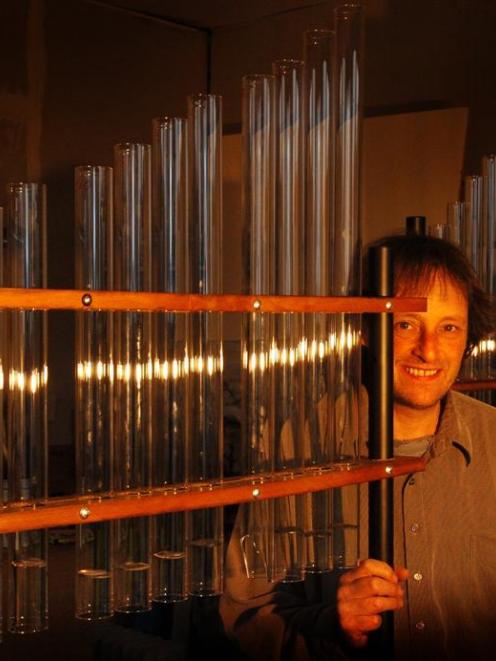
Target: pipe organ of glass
[(320, 133), (346, 260), (93, 354), (26, 404), (258, 195), (288, 328), (170, 352), (133, 368), (205, 363)]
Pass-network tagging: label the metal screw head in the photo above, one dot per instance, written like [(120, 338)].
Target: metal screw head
[(389, 305), (84, 512), (389, 470), (257, 304), (255, 493), (86, 299)]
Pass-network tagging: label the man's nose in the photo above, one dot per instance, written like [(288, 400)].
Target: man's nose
[(426, 347)]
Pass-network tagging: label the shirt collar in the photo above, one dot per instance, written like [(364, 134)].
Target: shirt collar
[(451, 431)]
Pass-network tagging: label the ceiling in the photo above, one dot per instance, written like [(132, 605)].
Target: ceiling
[(206, 14)]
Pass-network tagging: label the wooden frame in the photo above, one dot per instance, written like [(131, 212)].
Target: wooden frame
[(73, 299), (91, 509)]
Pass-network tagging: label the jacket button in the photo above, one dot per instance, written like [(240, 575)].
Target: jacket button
[(417, 576), (414, 528), (420, 626)]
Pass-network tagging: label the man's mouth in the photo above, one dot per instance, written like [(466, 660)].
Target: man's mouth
[(421, 372)]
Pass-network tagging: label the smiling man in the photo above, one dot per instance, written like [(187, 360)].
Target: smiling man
[(445, 518)]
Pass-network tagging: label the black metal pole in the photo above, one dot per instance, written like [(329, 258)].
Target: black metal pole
[(415, 225), (380, 390)]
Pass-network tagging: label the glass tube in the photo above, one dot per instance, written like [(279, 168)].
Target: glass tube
[(204, 460), (318, 49), (258, 198), (456, 213), (440, 231), (3, 443), (472, 187), (27, 404), (170, 378), (132, 372), (289, 344), (346, 273), (93, 260), (487, 261)]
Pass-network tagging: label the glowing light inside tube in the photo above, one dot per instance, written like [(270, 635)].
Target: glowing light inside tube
[(30, 381)]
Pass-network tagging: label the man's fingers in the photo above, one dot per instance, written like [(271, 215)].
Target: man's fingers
[(370, 567), (402, 573), (368, 606), (368, 587)]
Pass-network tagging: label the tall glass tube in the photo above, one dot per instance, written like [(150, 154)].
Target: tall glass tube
[(3, 443), (204, 461), (132, 371), (487, 257), (258, 200), (472, 186), (289, 345), (170, 350), (320, 133), (346, 276), (93, 261), (27, 404)]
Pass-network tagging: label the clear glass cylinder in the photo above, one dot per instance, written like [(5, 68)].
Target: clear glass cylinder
[(346, 271), (258, 205), (289, 345), (93, 198), (204, 457), (455, 216), (320, 134), (27, 404), (471, 244), (170, 352), (472, 186), (440, 231), (487, 258), (132, 370), (3, 443)]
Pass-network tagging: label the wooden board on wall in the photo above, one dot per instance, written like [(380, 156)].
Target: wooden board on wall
[(412, 166)]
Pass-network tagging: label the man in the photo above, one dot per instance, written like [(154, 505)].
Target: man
[(445, 518)]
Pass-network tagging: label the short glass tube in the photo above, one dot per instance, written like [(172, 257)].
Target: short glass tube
[(455, 216), (346, 270), (27, 404), (93, 198), (258, 200), (132, 370), (170, 352), (289, 345), (205, 364), (319, 136)]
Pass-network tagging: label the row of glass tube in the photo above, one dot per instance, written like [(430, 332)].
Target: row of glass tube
[(155, 223), (471, 224)]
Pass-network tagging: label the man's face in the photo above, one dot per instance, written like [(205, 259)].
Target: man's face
[(429, 346)]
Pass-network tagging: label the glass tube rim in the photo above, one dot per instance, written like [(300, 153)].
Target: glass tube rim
[(318, 34), (132, 146), (256, 77), (166, 120), (348, 10), (19, 185)]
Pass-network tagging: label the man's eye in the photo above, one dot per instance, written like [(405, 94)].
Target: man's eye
[(450, 328), (403, 325)]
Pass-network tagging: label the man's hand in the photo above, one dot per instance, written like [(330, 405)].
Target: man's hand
[(365, 592)]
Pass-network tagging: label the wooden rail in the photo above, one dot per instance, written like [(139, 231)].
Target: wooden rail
[(69, 511), (71, 299)]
